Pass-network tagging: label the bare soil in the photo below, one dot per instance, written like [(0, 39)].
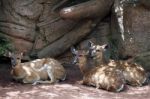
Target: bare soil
[(68, 89)]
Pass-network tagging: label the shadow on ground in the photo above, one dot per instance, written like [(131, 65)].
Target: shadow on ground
[(64, 90)]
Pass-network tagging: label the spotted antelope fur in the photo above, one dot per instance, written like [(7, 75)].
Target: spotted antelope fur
[(134, 73), (104, 77), (46, 70)]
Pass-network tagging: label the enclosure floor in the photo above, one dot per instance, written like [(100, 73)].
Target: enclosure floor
[(64, 90)]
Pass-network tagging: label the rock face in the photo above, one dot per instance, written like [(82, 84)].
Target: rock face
[(25, 22), (145, 3), (100, 35), (144, 60), (137, 30), (133, 38), (36, 28)]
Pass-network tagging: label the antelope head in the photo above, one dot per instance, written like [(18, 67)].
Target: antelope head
[(79, 55), (96, 49), (15, 58)]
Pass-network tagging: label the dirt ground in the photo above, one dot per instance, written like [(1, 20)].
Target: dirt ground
[(68, 89)]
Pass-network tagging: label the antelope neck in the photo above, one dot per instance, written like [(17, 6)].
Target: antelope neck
[(84, 64)]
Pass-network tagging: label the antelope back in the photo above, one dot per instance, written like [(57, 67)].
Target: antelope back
[(135, 74), (106, 77)]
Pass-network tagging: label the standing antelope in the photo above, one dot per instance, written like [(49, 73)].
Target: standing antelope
[(134, 74), (105, 77), (46, 70)]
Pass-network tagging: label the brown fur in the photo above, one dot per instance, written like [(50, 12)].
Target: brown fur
[(134, 73), (46, 70), (104, 77)]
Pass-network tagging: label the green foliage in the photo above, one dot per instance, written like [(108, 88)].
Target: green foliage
[(4, 45)]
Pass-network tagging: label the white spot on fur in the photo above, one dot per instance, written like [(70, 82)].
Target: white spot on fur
[(101, 78), (48, 66), (127, 69), (45, 67), (139, 67), (28, 71), (132, 75), (37, 60), (32, 64), (112, 63), (96, 76)]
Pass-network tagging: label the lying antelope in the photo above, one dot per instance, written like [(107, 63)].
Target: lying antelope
[(134, 73), (46, 70), (105, 77)]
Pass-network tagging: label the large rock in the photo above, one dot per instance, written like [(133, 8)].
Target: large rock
[(31, 25), (37, 29), (131, 34), (137, 30), (100, 35), (144, 60), (145, 3)]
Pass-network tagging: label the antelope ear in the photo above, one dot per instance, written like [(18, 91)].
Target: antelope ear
[(73, 50), (11, 54), (90, 43), (105, 46), (21, 54)]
